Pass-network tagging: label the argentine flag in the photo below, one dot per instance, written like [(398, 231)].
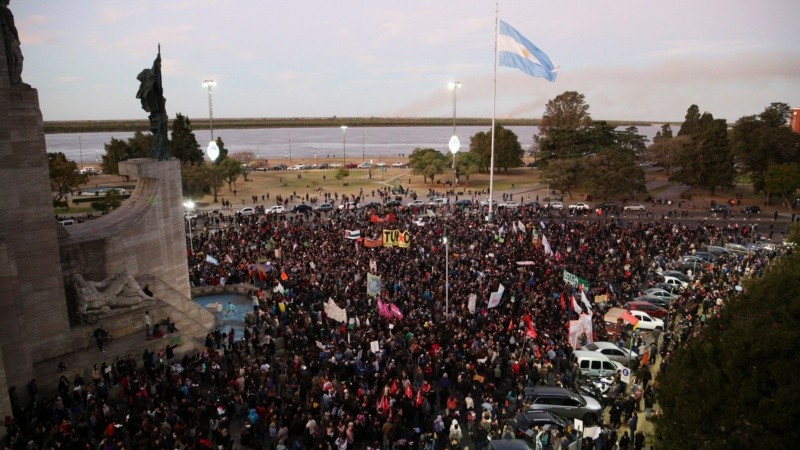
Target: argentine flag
[(518, 52)]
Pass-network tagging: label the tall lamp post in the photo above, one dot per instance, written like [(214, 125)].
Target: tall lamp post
[(290, 147), (189, 205), (446, 277), (209, 84), (344, 145), (454, 144)]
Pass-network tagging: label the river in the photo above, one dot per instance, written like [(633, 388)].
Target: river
[(282, 143)]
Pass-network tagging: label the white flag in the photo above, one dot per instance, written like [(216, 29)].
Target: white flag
[(333, 311), (212, 260), (547, 250), (521, 226), (575, 306), (471, 303), (585, 301), (494, 298)]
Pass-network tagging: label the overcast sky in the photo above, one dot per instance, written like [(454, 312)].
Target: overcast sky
[(632, 59)]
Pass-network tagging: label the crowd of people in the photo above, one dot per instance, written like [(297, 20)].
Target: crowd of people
[(438, 371)]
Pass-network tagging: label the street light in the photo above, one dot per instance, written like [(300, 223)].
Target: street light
[(189, 205), (454, 144), (290, 147), (344, 148), (209, 84), (446, 278)]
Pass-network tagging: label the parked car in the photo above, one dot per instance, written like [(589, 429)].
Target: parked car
[(280, 167), (564, 402), (302, 208), (661, 302), (634, 207), (439, 201), (509, 205), (579, 207), (649, 308), (350, 166), (324, 207), (247, 211), (612, 351), (372, 205), (737, 249), (416, 204), (658, 292), (277, 209), (527, 421), (399, 164), (675, 290), (679, 275), (485, 202), (533, 204), (463, 203), (609, 207), (720, 209), (350, 206), (752, 209), (555, 205), (646, 321), (720, 252), (594, 364), (393, 203), (364, 165), (675, 281)]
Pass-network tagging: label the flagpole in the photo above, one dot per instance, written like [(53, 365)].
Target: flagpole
[(494, 108)]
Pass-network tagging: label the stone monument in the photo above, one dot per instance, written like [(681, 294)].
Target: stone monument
[(144, 240)]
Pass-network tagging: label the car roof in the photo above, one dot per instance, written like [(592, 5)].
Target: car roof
[(604, 344), (509, 444)]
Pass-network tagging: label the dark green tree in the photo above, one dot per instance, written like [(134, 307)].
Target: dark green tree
[(760, 141), (118, 150), (734, 385), (782, 180), (708, 161), (558, 134), (565, 174), (230, 169), (507, 150), (467, 163), (668, 152), (108, 202), (664, 133), (691, 121), (195, 180), (246, 160), (64, 178), (183, 143), (613, 172), (428, 163)]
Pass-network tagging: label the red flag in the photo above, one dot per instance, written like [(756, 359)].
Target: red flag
[(563, 303), (530, 332), (510, 324), (284, 277)]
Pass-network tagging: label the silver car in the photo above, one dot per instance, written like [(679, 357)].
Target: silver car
[(612, 352), (564, 402)]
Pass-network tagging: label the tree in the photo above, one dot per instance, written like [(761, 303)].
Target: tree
[(782, 180), (230, 170), (760, 141), (563, 116), (507, 150), (109, 202), (707, 162), (733, 385), (668, 152), (613, 172), (564, 174), (245, 159), (64, 177), (467, 163), (691, 121), (342, 173), (427, 162), (195, 180), (183, 143), (664, 133), (118, 150)]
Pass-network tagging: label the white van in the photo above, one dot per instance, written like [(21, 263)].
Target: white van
[(66, 222), (594, 364)]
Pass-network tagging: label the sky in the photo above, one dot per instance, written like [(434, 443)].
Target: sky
[(631, 59)]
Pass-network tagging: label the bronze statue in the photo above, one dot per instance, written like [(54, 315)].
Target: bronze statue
[(11, 42), (151, 93)]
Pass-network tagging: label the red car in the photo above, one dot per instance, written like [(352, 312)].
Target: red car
[(649, 308)]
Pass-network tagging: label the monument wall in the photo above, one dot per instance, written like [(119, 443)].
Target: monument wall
[(34, 320)]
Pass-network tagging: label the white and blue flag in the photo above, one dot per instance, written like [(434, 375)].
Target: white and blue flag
[(518, 52)]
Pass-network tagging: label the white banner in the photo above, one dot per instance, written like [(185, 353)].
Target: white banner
[(471, 303), (333, 311), (494, 298)]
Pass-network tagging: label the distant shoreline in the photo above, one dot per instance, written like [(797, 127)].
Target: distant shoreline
[(88, 126)]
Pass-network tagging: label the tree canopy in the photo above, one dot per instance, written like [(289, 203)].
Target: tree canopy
[(427, 162), (707, 161), (118, 150), (64, 177), (508, 151), (732, 386), (183, 142)]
